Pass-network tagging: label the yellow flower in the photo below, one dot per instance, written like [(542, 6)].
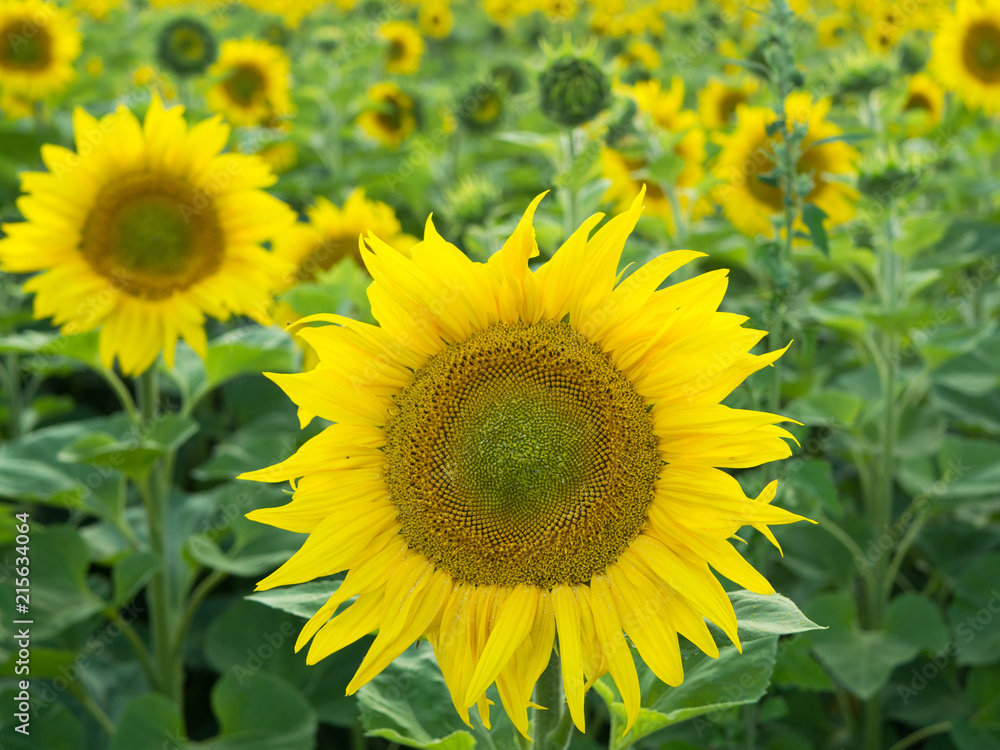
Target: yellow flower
[(748, 154), (833, 30), (38, 44), (280, 157), (436, 18), (406, 47), (253, 89), (291, 13), (519, 456), (332, 233), (664, 105), (144, 231), (640, 53), (966, 54), (717, 102), (924, 104), (154, 80), (94, 66), (14, 106), (392, 119), (99, 9)]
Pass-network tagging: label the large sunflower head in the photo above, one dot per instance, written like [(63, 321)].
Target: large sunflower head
[(253, 83), (38, 44), (966, 53), (331, 234), (393, 116), (143, 231), (717, 102), (749, 199), (523, 454), (404, 48)]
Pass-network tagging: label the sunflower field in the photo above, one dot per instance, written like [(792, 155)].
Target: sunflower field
[(499, 374)]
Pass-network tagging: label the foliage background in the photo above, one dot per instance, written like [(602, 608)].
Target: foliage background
[(908, 286)]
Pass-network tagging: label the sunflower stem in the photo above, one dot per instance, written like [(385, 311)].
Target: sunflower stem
[(551, 730), (569, 197), (155, 490)]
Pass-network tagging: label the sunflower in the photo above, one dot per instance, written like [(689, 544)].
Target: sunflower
[(144, 231), (834, 29), (664, 105), (639, 53), (281, 157), (331, 234), (155, 81), (38, 44), (748, 155), (393, 118), (436, 18), (405, 47), (253, 89), (99, 9), (519, 456), (924, 104), (717, 102), (14, 106), (186, 46), (966, 54)]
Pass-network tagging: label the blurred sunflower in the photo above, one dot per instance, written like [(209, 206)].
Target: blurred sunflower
[(717, 102), (639, 53), (481, 108), (332, 233), (38, 44), (405, 49), (186, 46), (519, 456), (748, 155), (139, 235), (966, 54), (834, 29), (99, 9), (436, 18), (15, 106), (664, 105), (924, 100), (280, 157), (155, 81), (253, 89), (393, 118)]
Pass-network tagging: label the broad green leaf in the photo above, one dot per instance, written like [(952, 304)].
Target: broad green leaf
[(765, 615), (974, 613), (45, 662), (149, 722), (797, 667), (969, 736), (409, 703), (916, 620), (969, 468), (261, 712), (60, 596), (257, 549), (811, 485), (863, 660), (812, 217), (265, 441), (129, 449), (710, 687), (826, 407), (249, 350), (303, 600), (52, 726), (131, 573), (37, 481)]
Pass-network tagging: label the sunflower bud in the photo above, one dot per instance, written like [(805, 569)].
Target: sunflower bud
[(186, 46), (481, 107), (573, 91)]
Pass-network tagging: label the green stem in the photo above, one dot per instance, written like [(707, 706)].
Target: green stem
[(13, 364), (203, 589), (155, 491), (552, 728), (88, 702), (569, 197), (120, 390), (139, 647), (873, 723), (921, 734)]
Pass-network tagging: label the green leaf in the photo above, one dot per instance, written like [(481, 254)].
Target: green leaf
[(36, 481), (265, 441), (826, 407), (710, 687), (797, 667), (812, 487), (129, 449), (52, 726), (261, 712), (149, 722), (409, 703), (131, 573), (975, 612), (303, 600), (60, 596), (812, 217), (862, 661), (765, 615), (969, 468), (257, 549), (916, 620)]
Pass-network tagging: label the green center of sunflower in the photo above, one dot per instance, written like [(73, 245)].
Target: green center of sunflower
[(25, 45), (521, 455), (390, 114), (918, 101), (760, 162), (397, 50), (188, 44), (981, 51), (152, 235), (245, 85), (728, 103)]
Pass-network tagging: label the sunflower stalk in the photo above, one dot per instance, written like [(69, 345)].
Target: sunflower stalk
[(551, 728), (780, 60), (155, 490), (569, 191)]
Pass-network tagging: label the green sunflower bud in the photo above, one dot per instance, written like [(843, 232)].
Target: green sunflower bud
[(573, 91), (481, 107), (186, 46), (510, 77)]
